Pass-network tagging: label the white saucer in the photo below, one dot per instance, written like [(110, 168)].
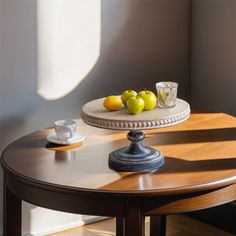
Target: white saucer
[(75, 139)]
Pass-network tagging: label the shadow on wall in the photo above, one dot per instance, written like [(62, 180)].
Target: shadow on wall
[(142, 42), (21, 110), (18, 57), (152, 45), (18, 72)]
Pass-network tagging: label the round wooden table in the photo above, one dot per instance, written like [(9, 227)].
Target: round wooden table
[(200, 172)]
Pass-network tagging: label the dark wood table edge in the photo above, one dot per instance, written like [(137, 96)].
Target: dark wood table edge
[(119, 194), (12, 201), (17, 189)]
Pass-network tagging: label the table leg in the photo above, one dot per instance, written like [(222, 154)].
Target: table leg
[(11, 213), (120, 226), (158, 225), (134, 221)]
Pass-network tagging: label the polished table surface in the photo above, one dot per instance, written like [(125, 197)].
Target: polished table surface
[(200, 171)]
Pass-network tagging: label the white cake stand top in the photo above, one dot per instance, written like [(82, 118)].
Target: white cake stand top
[(94, 113)]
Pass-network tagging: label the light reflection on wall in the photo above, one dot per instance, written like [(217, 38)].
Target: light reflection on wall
[(69, 33)]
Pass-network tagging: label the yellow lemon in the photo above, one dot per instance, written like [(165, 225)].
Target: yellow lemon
[(112, 103)]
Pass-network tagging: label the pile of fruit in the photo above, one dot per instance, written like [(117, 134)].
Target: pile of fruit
[(135, 102)]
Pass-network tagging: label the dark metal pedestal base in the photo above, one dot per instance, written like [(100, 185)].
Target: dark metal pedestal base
[(136, 157)]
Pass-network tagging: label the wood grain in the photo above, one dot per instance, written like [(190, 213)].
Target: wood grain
[(178, 225), (200, 172), (199, 154)]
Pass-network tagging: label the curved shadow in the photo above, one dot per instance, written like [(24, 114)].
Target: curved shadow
[(152, 139), (191, 136), (174, 165)]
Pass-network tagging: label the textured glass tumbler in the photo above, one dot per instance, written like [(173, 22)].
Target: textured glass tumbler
[(166, 94)]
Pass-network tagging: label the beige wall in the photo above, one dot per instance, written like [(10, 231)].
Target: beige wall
[(143, 41), (213, 63)]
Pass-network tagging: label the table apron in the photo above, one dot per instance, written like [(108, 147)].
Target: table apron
[(64, 201), (174, 204), (90, 204)]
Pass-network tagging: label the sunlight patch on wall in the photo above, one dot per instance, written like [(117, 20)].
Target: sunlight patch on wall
[(69, 35)]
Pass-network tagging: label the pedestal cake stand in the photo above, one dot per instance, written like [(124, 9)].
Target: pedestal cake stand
[(135, 157)]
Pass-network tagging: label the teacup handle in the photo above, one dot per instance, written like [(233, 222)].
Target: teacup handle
[(70, 132)]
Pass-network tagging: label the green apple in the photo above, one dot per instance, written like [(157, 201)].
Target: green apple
[(135, 105), (126, 94), (149, 98)]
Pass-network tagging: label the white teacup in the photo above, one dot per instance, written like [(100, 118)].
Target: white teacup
[(65, 129)]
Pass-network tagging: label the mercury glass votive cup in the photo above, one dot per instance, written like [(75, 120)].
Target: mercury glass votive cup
[(166, 94)]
